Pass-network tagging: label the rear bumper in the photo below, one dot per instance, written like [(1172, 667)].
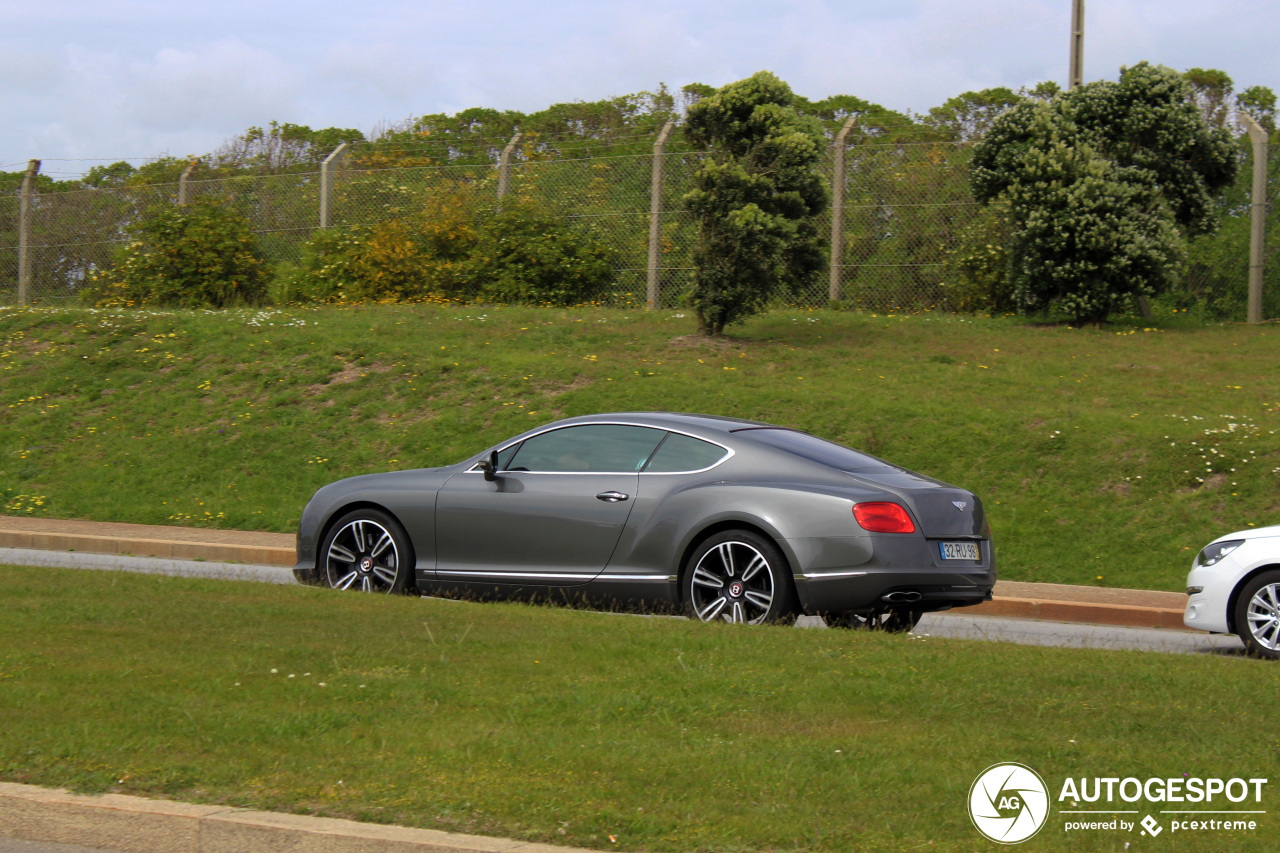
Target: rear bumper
[(838, 575), (877, 589)]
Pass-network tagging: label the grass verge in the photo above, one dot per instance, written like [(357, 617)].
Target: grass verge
[(586, 728), (1105, 457)]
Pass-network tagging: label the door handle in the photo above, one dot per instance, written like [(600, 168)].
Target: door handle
[(612, 497)]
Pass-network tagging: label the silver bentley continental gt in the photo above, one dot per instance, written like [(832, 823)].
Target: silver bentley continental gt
[(727, 519)]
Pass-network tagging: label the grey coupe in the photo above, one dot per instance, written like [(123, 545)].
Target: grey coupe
[(727, 519)]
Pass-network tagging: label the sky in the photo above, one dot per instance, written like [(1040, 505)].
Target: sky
[(91, 82)]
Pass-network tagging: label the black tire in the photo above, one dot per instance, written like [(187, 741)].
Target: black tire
[(366, 550), (738, 576), (1257, 615), (893, 621)]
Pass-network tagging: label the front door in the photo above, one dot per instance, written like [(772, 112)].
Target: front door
[(552, 517)]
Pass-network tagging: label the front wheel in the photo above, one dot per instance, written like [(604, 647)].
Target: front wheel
[(1258, 615), (738, 576), (366, 550)]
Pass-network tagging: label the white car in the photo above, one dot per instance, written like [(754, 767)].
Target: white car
[(1234, 588)]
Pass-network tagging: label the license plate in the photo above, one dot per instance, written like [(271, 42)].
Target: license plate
[(959, 550)]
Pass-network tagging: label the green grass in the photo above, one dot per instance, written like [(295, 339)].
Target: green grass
[(567, 726), (1104, 456)]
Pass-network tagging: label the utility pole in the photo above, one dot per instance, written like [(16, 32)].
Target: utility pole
[(1076, 76)]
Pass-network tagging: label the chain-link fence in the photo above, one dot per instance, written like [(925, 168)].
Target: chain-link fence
[(907, 214)]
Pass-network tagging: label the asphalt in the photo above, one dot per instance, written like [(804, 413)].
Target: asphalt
[(61, 822)]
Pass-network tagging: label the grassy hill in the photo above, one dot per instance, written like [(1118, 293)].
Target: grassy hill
[(1104, 456)]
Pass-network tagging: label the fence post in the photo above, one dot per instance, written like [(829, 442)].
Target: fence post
[(1259, 208), (655, 213), (182, 182), (326, 181), (837, 209), (24, 231), (504, 167)]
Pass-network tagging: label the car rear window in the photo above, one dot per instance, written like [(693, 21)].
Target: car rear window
[(813, 448), (684, 453)]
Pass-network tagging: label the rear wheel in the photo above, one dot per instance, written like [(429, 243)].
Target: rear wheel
[(738, 576), (366, 550), (1258, 615)]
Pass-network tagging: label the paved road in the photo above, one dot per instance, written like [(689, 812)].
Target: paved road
[(954, 624), (1033, 633)]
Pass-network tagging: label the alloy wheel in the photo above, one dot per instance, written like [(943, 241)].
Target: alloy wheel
[(1263, 616), (363, 556), (732, 581)]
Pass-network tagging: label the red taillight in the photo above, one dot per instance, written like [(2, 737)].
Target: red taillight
[(883, 517)]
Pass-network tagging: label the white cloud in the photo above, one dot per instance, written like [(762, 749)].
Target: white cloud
[(143, 77), (225, 84)]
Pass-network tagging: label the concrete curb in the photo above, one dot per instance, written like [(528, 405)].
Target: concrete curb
[(138, 825), (1095, 613), (214, 552)]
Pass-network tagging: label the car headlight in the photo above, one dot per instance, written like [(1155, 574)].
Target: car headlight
[(1215, 552)]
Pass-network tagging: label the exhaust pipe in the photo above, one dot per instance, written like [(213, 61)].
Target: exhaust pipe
[(901, 596)]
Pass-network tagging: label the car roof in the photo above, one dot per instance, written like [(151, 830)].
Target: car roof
[(669, 420)]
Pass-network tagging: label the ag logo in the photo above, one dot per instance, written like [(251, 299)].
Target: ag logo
[(1008, 803)]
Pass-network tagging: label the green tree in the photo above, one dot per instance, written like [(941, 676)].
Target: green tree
[(1211, 93), (1259, 102), (968, 116), (756, 197), (280, 148), (1104, 185)]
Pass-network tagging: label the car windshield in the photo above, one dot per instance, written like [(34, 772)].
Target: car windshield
[(813, 448)]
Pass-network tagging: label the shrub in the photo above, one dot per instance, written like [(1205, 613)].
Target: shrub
[(979, 266), (526, 257), (412, 258), (203, 255), (444, 253)]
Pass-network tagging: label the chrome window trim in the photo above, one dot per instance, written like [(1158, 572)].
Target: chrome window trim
[(729, 453)]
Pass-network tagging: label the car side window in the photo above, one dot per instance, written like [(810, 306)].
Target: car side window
[(684, 453), (590, 449), (505, 454)]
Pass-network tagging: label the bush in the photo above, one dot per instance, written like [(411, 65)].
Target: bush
[(203, 255), (979, 280), (444, 253), (414, 258), (525, 257)]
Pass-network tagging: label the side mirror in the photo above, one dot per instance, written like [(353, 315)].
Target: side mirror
[(489, 467)]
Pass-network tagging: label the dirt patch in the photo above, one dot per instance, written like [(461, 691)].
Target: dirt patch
[(576, 384), (1213, 481), (348, 374), (704, 342)]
